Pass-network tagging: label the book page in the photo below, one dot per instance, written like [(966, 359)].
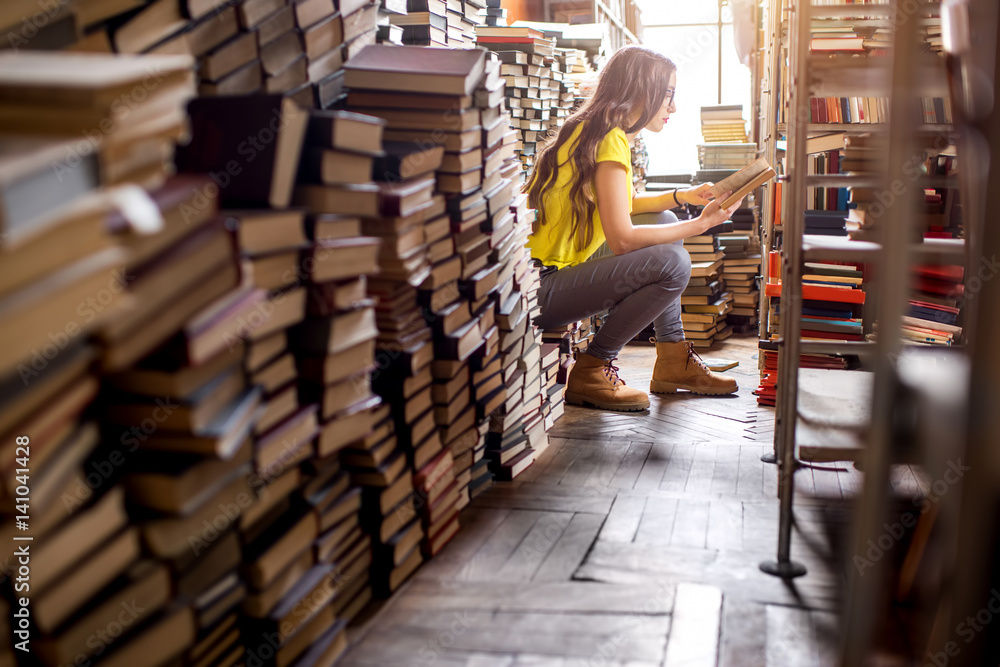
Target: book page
[(740, 178)]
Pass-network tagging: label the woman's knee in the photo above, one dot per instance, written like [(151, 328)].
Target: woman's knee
[(675, 263)]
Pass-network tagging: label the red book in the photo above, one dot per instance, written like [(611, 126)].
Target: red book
[(829, 335), (950, 272), (821, 293)]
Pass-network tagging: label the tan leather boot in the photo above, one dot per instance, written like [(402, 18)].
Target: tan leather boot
[(678, 366), (595, 383)]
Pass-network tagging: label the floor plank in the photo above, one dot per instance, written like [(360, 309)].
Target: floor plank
[(694, 635), (623, 520), (631, 465), (633, 541), (570, 549)]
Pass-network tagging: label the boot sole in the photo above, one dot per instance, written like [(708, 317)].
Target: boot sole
[(657, 387), (576, 399)]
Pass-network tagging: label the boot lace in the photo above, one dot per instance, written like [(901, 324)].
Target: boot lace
[(611, 372), (695, 357)]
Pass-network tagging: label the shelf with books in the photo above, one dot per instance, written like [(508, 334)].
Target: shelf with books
[(863, 128), (875, 181), (816, 248), (814, 331), (870, 76)]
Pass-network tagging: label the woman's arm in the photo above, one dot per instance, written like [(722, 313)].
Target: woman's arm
[(612, 203), (653, 202)]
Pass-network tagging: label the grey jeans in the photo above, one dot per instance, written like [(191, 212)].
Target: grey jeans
[(636, 288)]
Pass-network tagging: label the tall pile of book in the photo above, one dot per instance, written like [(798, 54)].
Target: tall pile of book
[(723, 124), (306, 294), (493, 14), (350, 174), (267, 46), (63, 276), (517, 429), (534, 83)]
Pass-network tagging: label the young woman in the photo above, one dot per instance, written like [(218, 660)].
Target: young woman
[(582, 189)]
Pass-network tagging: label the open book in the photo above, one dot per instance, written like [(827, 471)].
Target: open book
[(743, 181)]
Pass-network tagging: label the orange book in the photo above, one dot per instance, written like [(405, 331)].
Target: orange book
[(821, 293)]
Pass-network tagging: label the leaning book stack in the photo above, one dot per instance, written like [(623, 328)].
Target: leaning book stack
[(385, 193)]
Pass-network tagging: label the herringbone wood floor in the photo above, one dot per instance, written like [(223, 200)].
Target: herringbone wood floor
[(633, 540)]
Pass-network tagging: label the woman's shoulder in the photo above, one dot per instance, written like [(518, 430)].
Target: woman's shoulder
[(615, 141)]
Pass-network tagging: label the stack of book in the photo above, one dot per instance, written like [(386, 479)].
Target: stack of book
[(50, 439), (832, 303), (387, 31), (269, 46), (740, 271), (725, 156), (724, 124), (440, 23), (553, 389), (298, 536), (122, 120), (355, 182), (706, 301), (190, 483), (437, 491), (533, 91), (934, 315), (517, 428), (493, 14)]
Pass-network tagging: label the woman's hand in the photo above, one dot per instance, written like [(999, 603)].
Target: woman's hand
[(696, 196), (713, 214)]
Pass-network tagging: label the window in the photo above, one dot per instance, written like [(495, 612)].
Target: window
[(688, 33)]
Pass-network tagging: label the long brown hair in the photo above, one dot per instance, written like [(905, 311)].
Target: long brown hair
[(634, 79)]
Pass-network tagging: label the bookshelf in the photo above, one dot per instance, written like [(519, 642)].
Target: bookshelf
[(910, 403), (814, 422)]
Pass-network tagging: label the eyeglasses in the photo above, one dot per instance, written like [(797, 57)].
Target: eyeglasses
[(670, 96)]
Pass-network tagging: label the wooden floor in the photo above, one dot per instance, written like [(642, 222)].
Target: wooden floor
[(634, 540)]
